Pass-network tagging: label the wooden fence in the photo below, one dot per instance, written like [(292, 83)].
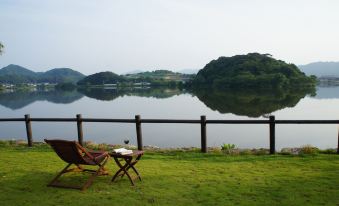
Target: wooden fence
[(271, 122)]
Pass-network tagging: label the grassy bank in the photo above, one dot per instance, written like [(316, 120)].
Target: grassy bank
[(181, 178)]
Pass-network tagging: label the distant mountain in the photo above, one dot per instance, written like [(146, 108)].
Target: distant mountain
[(321, 69), (153, 74), (14, 74), (164, 75), (101, 78), (154, 78), (183, 71), (61, 75), (13, 69)]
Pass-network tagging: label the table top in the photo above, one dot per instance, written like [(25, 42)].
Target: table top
[(135, 153)]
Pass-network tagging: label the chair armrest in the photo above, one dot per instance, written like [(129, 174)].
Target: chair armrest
[(99, 156)]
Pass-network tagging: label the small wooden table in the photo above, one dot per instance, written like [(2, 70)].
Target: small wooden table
[(130, 161)]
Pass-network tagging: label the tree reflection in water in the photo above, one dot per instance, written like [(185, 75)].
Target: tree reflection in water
[(111, 94), (19, 99), (251, 103)]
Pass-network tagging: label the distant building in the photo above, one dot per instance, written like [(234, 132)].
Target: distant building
[(110, 85), (8, 86), (141, 84)]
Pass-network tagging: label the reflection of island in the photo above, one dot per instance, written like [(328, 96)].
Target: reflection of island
[(251, 103), (100, 93), (111, 94), (156, 92), (19, 99)]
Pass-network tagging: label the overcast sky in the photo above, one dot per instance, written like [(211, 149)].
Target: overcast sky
[(125, 35)]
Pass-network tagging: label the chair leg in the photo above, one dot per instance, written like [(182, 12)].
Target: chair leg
[(94, 175), (52, 183), (80, 167)]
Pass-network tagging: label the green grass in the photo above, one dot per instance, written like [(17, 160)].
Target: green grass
[(176, 178)]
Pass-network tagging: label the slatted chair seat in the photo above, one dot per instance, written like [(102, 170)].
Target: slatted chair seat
[(73, 153)]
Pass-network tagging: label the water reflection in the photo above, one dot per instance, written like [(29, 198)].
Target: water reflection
[(120, 104), (157, 92), (101, 94), (19, 99), (327, 92), (111, 94), (251, 103)]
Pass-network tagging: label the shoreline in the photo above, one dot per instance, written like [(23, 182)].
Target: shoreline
[(306, 149)]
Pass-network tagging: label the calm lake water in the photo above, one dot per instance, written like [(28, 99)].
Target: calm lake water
[(165, 103)]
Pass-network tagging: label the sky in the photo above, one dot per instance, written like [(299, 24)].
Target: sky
[(126, 35)]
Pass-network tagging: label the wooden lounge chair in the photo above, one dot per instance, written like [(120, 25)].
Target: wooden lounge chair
[(73, 153)]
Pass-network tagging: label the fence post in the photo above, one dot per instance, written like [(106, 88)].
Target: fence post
[(272, 134), (138, 130), (203, 134), (29, 130), (338, 142), (79, 127)]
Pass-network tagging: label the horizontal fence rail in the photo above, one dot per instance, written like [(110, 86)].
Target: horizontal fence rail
[(11, 119), (172, 121), (271, 122)]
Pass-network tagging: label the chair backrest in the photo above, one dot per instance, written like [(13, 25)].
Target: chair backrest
[(69, 151)]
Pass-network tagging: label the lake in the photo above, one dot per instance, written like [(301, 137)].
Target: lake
[(167, 103)]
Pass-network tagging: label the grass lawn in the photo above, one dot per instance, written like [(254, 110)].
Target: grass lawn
[(176, 178)]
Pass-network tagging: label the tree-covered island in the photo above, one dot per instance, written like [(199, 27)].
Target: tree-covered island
[(253, 70)]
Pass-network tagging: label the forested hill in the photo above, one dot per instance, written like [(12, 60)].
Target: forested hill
[(15, 74), (16, 70), (154, 78), (59, 75), (101, 78), (161, 74), (253, 70)]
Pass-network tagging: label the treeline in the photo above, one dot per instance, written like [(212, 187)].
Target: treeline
[(155, 78)]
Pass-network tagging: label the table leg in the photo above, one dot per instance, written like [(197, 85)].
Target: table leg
[(123, 168), (132, 166)]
